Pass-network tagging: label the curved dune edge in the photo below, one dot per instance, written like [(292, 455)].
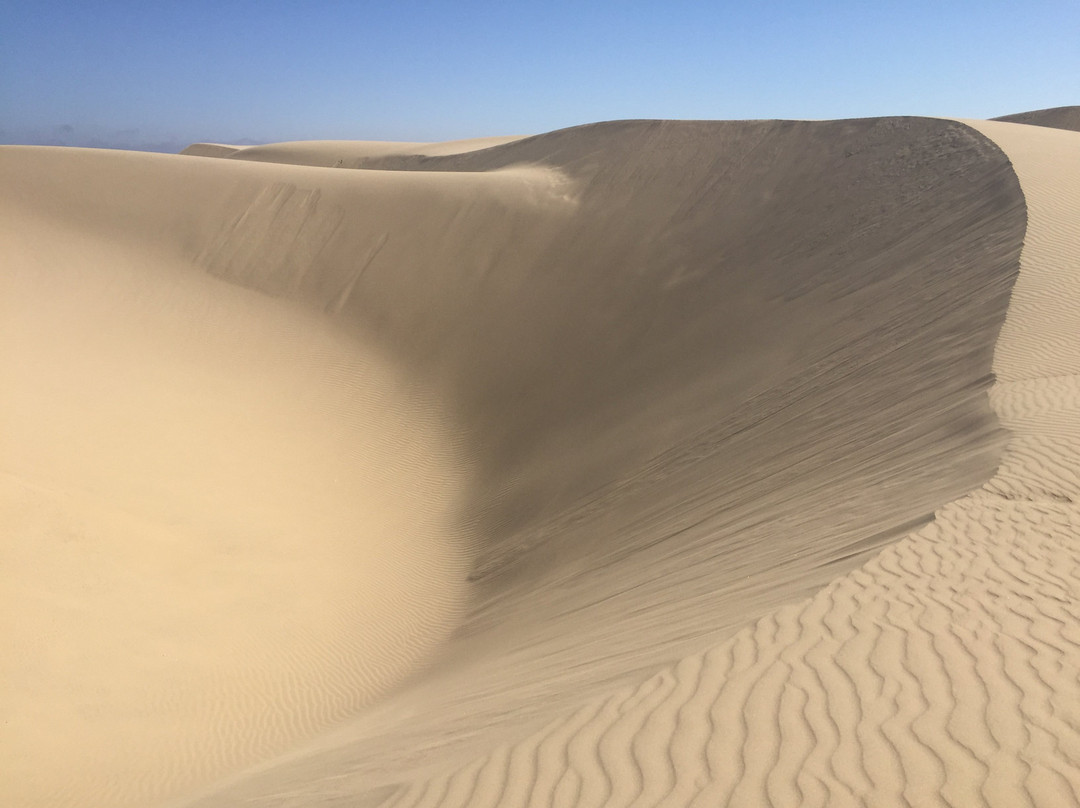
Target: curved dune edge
[(943, 672), (241, 251), (747, 542)]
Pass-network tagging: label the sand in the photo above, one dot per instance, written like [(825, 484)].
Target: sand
[(942, 672), (227, 523), (1055, 117), (581, 469), (340, 153)]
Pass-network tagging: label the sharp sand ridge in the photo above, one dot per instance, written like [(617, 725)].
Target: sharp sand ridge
[(941, 672), (666, 384), (512, 465)]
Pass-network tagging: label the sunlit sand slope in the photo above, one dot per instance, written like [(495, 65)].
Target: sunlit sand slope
[(227, 521), (750, 356)]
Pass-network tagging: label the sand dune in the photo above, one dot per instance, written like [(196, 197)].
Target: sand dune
[(211, 149), (339, 153), (1055, 117), (942, 672), (653, 398), (700, 441)]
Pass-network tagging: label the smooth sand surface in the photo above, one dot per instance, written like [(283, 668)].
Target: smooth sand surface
[(653, 396), (227, 522)]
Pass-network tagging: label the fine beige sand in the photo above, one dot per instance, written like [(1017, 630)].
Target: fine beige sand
[(339, 153), (578, 469), (226, 523)]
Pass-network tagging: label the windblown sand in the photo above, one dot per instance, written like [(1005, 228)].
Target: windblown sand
[(578, 469)]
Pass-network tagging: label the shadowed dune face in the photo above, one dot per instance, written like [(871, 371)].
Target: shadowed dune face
[(1054, 118), (687, 371), (715, 366), (709, 264), (940, 672)]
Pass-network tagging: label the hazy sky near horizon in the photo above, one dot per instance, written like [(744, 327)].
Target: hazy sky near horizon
[(163, 74)]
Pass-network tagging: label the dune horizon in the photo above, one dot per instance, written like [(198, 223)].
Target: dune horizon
[(636, 463)]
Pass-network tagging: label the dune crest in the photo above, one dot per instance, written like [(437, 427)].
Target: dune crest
[(941, 672), (736, 378), (1055, 117)]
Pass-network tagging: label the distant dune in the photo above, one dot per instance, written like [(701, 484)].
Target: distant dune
[(1056, 118), (589, 468), (211, 149), (338, 153)]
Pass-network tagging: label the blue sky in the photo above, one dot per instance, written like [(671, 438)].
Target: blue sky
[(162, 74)]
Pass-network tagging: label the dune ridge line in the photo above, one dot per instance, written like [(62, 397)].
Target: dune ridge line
[(655, 396), (706, 528), (942, 672)]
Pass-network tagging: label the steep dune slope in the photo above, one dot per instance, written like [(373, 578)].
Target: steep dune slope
[(713, 366), (211, 149), (943, 672)]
